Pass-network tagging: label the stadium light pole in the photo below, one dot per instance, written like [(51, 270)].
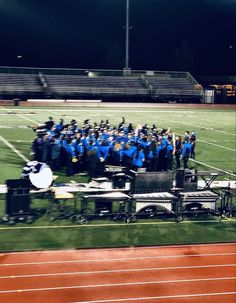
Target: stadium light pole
[(127, 28)]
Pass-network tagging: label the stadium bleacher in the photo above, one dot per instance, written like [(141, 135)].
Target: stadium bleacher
[(11, 84), (139, 85)]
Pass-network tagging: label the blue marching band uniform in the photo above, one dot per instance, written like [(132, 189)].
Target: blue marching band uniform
[(89, 148)]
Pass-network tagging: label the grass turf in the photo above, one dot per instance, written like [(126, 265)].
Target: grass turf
[(61, 234), (215, 149), (215, 129)]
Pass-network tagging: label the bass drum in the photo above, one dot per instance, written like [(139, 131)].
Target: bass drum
[(38, 173), (42, 178)]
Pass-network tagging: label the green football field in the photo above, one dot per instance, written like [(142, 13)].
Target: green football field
[(215, 150), (215, 130)]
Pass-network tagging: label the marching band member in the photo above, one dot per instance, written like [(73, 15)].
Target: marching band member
[(169, 155), (177, 150), (138, 158), (193, 144), (89, 148), (186, 150)]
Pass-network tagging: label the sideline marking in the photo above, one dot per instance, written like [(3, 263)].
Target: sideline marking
[(12, 147), (111, 224), (105, 260), (160, 297), (116, 284), (112, 248)]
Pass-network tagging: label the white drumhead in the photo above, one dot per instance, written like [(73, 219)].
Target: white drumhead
[(43, 178)]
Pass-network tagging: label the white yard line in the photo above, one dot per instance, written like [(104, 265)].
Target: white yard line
[(12, 147), (159, 297), (202, 163), (114, 224), (25, 141), (206, 142), (195, 126), (210, 143), (217, 145), (116, 285), (60, 115), (213, 167), (135, 111), (28, 119)]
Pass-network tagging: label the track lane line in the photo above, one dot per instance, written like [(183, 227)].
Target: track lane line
[(117, 259), (160, 297), (117, 284), (68, 280), (122, 270)]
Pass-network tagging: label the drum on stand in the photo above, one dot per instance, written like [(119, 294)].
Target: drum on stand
[(35, 175)]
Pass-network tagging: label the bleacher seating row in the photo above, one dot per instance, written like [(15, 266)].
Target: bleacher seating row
[(18, 85)]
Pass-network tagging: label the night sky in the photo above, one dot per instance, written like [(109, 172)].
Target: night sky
[(194, 35)]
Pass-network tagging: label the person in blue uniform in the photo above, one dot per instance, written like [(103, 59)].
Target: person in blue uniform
[(127, 155), (186, 150), (169, 155), (55, 154), (70, 156), (138, 158), (92, 160)]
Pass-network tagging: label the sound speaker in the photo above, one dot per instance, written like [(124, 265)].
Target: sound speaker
[(18, 199), (147, 182), (186, 179)]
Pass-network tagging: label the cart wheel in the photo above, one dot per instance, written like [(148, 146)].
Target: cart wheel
[(229, 215), (127, 220), (76, 218), (83, 221), (11, 221), (29, 220), (133, 218), (51, 219), (179, 219), (5, 219)]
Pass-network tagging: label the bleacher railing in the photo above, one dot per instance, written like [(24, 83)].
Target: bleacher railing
[(94, 72)]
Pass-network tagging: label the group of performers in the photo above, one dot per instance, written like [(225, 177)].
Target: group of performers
[(90, 147)]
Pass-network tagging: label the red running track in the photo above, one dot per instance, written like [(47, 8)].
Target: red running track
[(176, 274)]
